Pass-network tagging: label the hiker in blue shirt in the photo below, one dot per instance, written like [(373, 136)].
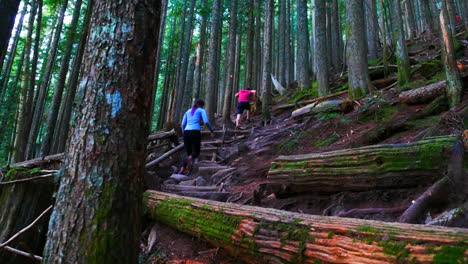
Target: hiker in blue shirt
[(191, 131)]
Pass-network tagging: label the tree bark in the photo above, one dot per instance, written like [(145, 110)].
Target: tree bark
[(200, 62), (401, 50), (58, 92), (231, 64), (249, 48), (336, 37), (302, 67), (423, 94), (8, 11), (212, 76), (320, 41), (370, 167), (359, 80), (410, 19), (105, 157), (267, 54), (426, 16), (454, 85), (264, 235), (282, 42)]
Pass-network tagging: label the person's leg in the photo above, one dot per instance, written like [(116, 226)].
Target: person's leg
[(188, 149), (196, 144), (238, 120)]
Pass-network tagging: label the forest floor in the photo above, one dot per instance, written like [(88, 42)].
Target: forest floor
[(378, 119)]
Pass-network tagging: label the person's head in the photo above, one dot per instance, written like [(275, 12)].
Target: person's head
[(246, 88), (199, 103)]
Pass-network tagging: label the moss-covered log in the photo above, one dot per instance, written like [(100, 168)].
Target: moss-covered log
[(423, 94), (264, 235), (326, 106), (20, 204), (365, 168)]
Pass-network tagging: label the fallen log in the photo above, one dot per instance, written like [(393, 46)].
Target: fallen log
[(365, 168), (52, 160), (326, 106), (162, 135), (188, 188), (164, 156), (265, 235), (424, 94), (286, 106)]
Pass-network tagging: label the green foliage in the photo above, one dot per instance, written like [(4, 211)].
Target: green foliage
[(448, 255), (325, 116), (290, 145), (300, 94), (324, 143)]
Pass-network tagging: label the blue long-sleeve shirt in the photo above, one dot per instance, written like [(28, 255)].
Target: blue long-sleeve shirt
[(192, 122)]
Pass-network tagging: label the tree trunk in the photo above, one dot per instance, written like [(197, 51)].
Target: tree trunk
[(42, 96), (8, 10), (258, 63), (267, 53), (426, 16), (288, 54), (336, 37), (303, 78), (200, 62), (401, 50), (231, 64), (372, 29), (20, 204), (423, 94), (184, 63), (384, 39), (21, 129), (264, 235), (62, 135), (11, 58), (57, 98), (211, 79), (105, 156), (454, 85), (320, 52), (189, 84), (372, 167), (249, 59), (359, 80), (410, 19)]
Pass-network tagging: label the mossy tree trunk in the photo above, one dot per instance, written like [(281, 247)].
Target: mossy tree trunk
[(264, 235), (401, 50), (454, 85), (98, 203), (20, 204), (267, 58), (365, 168), (8, 9)]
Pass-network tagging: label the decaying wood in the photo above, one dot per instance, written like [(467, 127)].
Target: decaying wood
[(28, 179), (162, 135), (371, 211), (35, 258), (325, 106), (286, 106), (39, 162), (371, 167), (265, 235), (424, 94), (164, 156), (175, 187), (451, 186)]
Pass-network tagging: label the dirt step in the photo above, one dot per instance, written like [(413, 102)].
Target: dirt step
[(214, 143)]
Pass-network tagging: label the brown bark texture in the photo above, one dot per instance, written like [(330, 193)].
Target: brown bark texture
[(264, 235), (423, 94), (96, 217), (365, 168)]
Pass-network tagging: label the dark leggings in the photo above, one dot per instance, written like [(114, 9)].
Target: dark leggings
[(192, 142)]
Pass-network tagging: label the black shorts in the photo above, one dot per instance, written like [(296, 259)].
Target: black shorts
[(241, 106)]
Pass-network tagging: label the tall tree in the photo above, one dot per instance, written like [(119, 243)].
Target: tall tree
[(281, 69), (8, 10), (401, 50), (201, 50), (249, 47), (426, 15), (67, 106), (372, 29), (231, 64), (410, 18), (454, 85), (359, 80), (42, 94), (336, 37), (302, 62), (57, 98), (184, 62), (320, 52), (105, 158), (267, 53), (212, 76)]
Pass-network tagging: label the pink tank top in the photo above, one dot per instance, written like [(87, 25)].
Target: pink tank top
[(244, 96)]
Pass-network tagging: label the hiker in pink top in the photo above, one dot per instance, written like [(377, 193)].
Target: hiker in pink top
[(244, 104)]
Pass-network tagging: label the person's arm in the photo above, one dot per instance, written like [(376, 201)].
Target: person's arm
[(237, 95), (206, 121), (184, 122)]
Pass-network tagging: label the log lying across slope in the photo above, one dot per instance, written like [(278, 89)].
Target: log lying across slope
[(264, 235), (370, 167)]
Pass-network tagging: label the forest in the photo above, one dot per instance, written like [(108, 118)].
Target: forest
[(233, 131)]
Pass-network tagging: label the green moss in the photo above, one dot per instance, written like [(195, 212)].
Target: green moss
[(448, 255), (20, 173), (381, 114), (367, 229), (396, 249), (324, 143), (330, 235)]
